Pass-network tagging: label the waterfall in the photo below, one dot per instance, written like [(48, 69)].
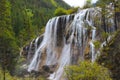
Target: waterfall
[(29, 52), (65, 41), (49, 44), (36, 42)]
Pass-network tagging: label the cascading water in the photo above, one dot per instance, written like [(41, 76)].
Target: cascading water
[(36, 42), (48, 44), (65, 41), (29, 52)]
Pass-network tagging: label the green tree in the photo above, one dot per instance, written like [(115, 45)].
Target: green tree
[(28, 32), (8, 45), (87, 71)]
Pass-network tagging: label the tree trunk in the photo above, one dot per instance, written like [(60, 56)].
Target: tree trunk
[(4, 74), (3, 64)]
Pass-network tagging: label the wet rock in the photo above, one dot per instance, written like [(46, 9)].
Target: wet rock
[(46, 68), (29, 49)]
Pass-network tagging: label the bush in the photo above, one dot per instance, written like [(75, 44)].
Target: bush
[(73, 10), (97, 44), (9, 77), (60, 11), (87, 71)]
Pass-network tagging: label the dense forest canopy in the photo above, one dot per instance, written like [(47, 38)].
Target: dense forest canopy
[(30, 16)]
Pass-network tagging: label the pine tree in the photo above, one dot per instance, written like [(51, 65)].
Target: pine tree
[(7, 39), (28, 32)]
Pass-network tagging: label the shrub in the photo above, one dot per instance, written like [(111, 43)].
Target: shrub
[(73, 10), (87, 71), (60, 11), (97, 44), (9, 77)]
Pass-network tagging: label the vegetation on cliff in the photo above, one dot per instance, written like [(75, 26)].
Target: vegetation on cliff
[(110, 56)]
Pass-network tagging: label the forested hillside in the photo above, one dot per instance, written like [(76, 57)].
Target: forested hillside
[(30, 16)]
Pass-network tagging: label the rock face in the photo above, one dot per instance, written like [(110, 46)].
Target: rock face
[(67, 40), (29, 50)]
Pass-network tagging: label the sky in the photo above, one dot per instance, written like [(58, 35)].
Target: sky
[(76, 3)]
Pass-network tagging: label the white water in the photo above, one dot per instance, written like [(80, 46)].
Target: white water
[(49, 42), (51, 53), (74, 38), (36, 59), (78, 33), (36, 42), (64, 60)]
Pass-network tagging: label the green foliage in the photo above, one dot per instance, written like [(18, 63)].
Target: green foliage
[(105, 6), (72, 10), (9, 77), (20, 21), (87, 71), (7, 74), (8, 46), (97, 44), (105, 35), (117, 5), (54, 3), (29, 13), (102, 3), (30, 16), (110, 56), (61, 3), (60, 11), (27, 33)]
